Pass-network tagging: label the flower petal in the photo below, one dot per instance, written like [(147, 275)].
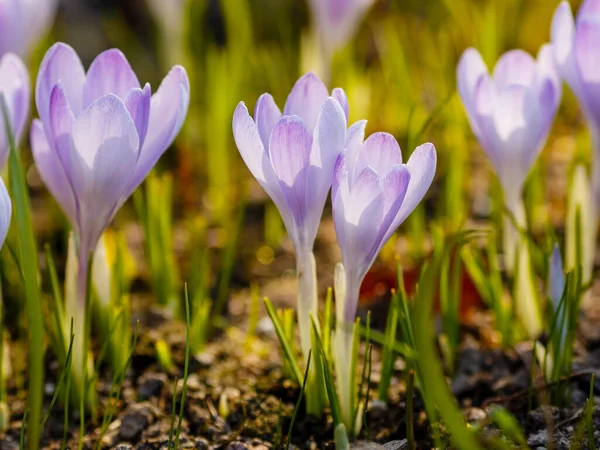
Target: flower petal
[(381, 152), (340, 95), (102, 157), (5, 212), (289, 152), (137, 102), (52, 171), (305, 100), (14, 85), (60, 63), (168, 108), (470, 70), (355, 137), (587, 40), (562, 32), (515, 67), (59, 127), (266, 115), (110, 73), (249, 144), (589, 9), (421, 164), (556, 277)]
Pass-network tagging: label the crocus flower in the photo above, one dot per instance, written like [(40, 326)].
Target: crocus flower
[(98, 136), (338, 20), (5, 212), (373, 193), (292, 156), (100, 133), (23, 23), (14, 87), (577, 48), (511, 111)]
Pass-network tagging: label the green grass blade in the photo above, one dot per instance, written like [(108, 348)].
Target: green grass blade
[(29, 263)]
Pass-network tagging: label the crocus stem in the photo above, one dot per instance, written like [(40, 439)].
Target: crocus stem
[(510, 234), (343, 355), (307, 297), (516, 253), (307, 306)]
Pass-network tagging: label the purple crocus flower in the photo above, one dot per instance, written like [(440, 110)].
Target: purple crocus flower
[(292, 156), (14, 88), (577, 48), (337, 20), (23, 23), (99, 135), (373, 193), (511, 111)]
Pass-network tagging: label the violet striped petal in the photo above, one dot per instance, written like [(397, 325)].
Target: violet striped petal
[(340, 95), (103, 153), (60, 63), (266, 115), (305, 100), (137, 102), (109, 73), (52, 171), (168, 109)]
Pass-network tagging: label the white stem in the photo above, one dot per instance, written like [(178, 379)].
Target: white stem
[(510, 234), (344, 333), (307, 298)]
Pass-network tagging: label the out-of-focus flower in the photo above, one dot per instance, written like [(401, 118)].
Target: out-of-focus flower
[(168, 13), (577, 48), (23, 23), (338, 20), (100, 133), (556, 277), (14, 87), (292, 156), (373, 193), (5, 212), (511, 111)]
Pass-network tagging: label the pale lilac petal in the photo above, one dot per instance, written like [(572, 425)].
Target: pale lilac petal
[(547, 70), (328, 143), (52, 171), (14, 86), (395, 187), (587, 41), (470, 69), (109, 73), (60, 63), (340, 95), (589, 9), (354, 142), (381, 152), (514, 67), (102, 158), (305, 100), (61, 121), (5, 212), (266, 115), (289, 152), (562, 32), (168, 108), (252, 151), (421, 164), (510, 113), (137, 102)]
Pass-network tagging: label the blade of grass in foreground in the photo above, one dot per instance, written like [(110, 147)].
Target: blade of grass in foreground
[(29, 263)]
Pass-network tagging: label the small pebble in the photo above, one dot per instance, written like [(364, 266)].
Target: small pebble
[(396, 445), (132, 426)]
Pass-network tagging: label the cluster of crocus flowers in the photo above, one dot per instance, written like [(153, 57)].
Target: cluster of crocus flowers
[(373, 193), (23, 23), (576, 48), (98, 136), (296, 157), (511, 113), (292, 156)]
